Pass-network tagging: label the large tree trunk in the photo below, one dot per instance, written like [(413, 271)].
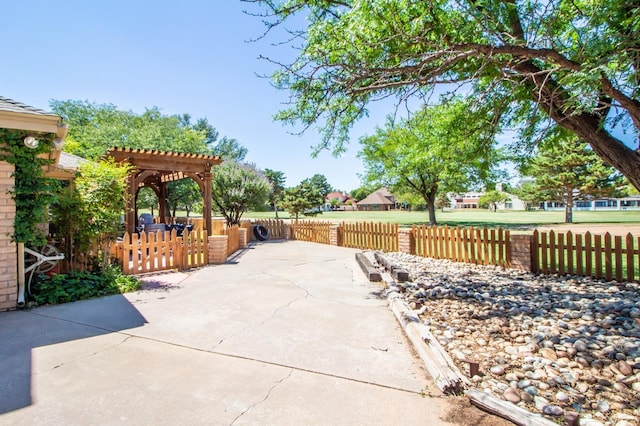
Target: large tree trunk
[(430, 200), (568, 212), (588, 126), (610, 149)]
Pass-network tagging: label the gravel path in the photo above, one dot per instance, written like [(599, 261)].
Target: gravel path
[(550, 344)]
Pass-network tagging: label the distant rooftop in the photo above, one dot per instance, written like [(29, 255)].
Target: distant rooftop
[(9, 105)]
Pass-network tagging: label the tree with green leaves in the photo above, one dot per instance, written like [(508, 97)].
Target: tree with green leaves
[(87, 213), (225, 148), (575, 63), (527, 191), (147, 199), (302, 199), (94, 128), (183, 194), (440, 149), (491, 199), (276, 180), (566, 170), (320, 183), (235, 188), (362, 192)]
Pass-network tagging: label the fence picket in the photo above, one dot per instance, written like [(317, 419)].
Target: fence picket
[(588, 254), (598, 252), (579, 271), (617, 248), (629, 254)]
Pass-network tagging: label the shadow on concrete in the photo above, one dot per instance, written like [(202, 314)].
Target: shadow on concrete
[(23, 331)]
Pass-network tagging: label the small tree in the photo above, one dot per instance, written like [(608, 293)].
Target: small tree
[(491, 199), (185, 194), (302, 198), (235, 188), (276, 179), (87, 214), (442, 201), (147, 199), (335, 203), (320, 183)]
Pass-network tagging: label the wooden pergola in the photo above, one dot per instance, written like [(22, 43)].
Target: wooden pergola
[(156, 169)]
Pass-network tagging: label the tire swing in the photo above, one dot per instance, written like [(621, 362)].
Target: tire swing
[(261, 232)]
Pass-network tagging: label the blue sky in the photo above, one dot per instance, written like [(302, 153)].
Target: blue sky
[(183, 57)]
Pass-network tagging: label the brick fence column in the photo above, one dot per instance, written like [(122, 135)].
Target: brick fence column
[(287, 231), (218, 248), (521, 252), (8, 248), (334, 235), (405, 241), (242, 237)]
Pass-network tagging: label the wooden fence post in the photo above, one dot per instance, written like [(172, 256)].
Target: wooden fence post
[(521, 250)]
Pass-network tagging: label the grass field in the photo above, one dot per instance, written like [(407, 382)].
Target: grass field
[(471, 217)]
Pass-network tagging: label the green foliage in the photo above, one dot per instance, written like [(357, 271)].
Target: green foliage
[(276, 180), (81, 285), (147, 199), (87, 214), (491, 199), (32, 192), (94, 128), (566, 170), (572, 62), (362, 192), (235, 188), (184, 194), (445, 148), (320, 183), (302, 199)]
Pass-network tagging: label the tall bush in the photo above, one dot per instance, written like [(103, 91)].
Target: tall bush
[(88, 213)]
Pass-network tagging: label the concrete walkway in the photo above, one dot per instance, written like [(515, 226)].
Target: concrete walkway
[(285, 333)]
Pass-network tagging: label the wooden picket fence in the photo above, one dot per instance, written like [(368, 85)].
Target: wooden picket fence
[(150, 252), (312, 231), (600, 256), (479, 246), (277, 228), (369, 236)]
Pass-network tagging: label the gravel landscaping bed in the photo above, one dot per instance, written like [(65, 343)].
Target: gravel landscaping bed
[(553, 345)]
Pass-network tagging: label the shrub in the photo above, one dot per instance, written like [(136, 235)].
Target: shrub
[(81, 285)]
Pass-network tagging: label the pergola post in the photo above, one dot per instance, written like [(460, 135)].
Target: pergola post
[(162, 201), (206, 201), (130, 214)]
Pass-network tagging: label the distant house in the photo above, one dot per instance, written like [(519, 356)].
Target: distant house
[(381, 199), (631, 202), (345, 201), (471, 200)]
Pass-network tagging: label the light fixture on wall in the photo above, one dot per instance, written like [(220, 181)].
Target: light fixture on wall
[(58, 143), (31, 142)]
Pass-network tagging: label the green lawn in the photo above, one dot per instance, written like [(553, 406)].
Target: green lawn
[(470, 217)]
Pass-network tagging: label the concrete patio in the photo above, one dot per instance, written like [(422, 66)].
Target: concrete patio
[(284, 333)]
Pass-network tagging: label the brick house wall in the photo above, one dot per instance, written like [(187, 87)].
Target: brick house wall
[(8, 248)]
